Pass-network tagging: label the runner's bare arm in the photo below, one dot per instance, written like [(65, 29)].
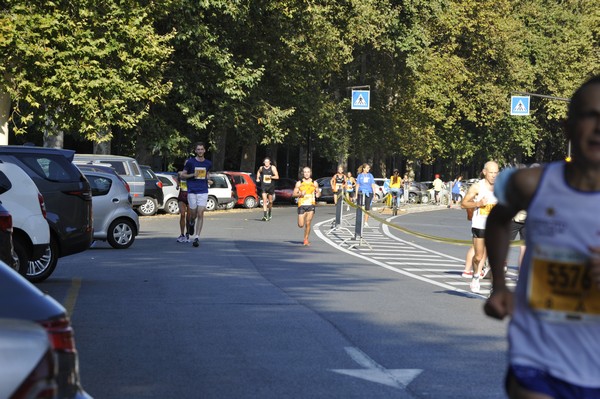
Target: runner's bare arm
[(468, 202)]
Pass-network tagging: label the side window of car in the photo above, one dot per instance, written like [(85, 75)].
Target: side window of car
[(100, 185), (5, 183), (218, 182)]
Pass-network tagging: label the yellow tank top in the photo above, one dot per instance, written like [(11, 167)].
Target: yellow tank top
[(309, 193)]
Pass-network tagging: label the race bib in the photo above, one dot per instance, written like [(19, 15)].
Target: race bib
[(267, 178), (200, 173), (560, 288), (183, 185), (485, 210)]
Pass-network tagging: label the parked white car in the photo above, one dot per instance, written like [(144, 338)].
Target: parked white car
[(21, 197)]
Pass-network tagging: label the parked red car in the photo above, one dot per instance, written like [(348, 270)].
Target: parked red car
[(246, 189)]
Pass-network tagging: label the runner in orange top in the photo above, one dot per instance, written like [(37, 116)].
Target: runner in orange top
[(307, 191)]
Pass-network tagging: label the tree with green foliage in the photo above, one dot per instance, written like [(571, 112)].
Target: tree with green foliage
[(83, 68)]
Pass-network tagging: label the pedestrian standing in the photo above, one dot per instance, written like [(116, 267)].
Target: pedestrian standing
[(265, 175), (307, 192), (554, 350), (438, 184), (366, 189), (195, 172), (456, 189)]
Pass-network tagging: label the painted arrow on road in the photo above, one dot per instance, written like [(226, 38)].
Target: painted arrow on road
[(374, 372)]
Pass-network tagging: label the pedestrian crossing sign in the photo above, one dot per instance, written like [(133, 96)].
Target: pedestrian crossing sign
[(360, 99), (519, 105)]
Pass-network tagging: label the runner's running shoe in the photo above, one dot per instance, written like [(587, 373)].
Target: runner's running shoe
[(475, 287)]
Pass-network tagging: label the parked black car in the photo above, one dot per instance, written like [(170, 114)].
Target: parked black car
[(284, 190), (68, 199), (153, 192), (326, 190)]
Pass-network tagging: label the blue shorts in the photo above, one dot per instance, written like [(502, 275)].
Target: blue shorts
[(539, 381)]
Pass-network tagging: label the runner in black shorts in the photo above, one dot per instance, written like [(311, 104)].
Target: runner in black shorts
[(307, 191), (265, 176)]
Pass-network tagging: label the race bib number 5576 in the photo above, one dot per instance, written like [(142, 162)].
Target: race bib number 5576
[(560, 287)]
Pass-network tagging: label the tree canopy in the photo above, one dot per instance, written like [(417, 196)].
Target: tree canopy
[(278, 73)]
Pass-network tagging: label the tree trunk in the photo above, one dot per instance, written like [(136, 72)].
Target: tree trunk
[(102, 148), (54, 139), (4, 112), (218, 150), (248, 161)]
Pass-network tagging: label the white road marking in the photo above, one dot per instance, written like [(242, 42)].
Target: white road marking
[(374, 372), (325, 238)]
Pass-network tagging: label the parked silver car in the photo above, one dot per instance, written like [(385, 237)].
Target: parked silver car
[(27, 365), (170, 187), (19, 299), (115, 220)]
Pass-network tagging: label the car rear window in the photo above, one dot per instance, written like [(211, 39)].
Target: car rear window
[(165, 181), (100, 185), (51, 167), (119, 166)]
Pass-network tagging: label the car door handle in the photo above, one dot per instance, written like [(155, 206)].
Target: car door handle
[(115, 200)]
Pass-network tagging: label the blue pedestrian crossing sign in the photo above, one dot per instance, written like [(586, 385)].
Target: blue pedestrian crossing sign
[(360, 99), (519, 105)]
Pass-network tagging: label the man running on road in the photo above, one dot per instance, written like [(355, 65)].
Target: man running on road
[(195, 172), (481, 197), (265, 175), (554, 331)]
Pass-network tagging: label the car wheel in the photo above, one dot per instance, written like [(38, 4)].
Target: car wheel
[(412, 198), (425, 199), (250, 202), (230, 205), (40, 269), (211, 204), (22, 257), (148, 208), (121, 233), (172, 206)]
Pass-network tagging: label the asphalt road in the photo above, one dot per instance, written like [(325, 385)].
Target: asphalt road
[(252, 313)]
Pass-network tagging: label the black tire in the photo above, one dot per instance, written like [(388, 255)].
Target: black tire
[(22, 257), (211, 203), (121, 233), (230, 205), (172, 206), (148, 208), (40, 269), (250, 202), (412, 198)]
